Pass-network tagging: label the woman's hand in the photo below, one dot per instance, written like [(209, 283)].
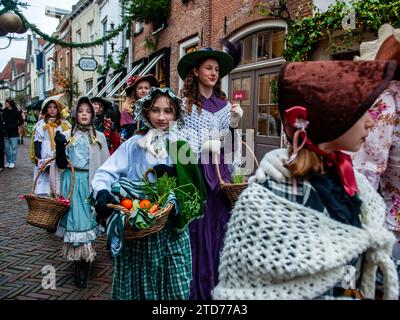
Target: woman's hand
[(236, 115)]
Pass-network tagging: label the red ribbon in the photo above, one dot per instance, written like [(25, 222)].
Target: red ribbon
[(338, 159), (61, 199), (131, 80)]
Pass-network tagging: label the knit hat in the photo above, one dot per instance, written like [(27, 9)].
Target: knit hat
[(82, 99), (335, 93), (193, 59), (144, 104), (134, 80)]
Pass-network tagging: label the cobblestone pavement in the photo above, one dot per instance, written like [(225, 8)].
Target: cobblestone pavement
[(26, 249)]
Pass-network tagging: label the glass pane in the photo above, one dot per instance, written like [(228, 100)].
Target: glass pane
[(243, 85), (273, 89), (263, 46), (268, 121), (248, 49), (241, 88), (246, 87), (274, 122), (236, 84), (278, 41), (192, 48), (263, 89), (262, 119)]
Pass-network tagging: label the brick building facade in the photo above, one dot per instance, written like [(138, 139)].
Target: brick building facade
[(203, 23)]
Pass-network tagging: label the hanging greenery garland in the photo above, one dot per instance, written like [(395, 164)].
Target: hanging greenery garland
[(111, 64), (304, 33), (138, 10)]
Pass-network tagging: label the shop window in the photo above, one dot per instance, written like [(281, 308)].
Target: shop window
[(264, 45), (192, 48)]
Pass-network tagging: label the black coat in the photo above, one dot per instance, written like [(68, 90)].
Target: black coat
[(2, 124), (12, 119)]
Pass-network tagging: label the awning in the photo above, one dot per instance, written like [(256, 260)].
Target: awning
[(119, 85), (97, 84), (109, 84), (151, 64)]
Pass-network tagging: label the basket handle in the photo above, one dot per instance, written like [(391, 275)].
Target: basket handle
[(149, 171), (221, 181), (44, 167)]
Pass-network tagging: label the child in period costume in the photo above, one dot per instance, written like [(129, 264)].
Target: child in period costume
[(87, 150), (379, 158), (296, 239), (105, 122), (43, 146), (157, 266), (208, 120), (137, 88)]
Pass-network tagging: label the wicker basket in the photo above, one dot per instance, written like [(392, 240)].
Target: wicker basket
[(233, 190), (45, 212), (161, 216)]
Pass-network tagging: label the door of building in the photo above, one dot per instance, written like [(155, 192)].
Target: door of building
[(255, 90)]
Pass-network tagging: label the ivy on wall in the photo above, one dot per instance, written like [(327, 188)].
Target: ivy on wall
[(305, 32), (102, 70)]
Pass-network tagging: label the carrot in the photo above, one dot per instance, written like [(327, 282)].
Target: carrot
[(154, 208)]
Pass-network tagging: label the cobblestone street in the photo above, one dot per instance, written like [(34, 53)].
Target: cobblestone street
[(25, 249)]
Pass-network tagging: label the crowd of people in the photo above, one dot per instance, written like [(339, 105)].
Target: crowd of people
[(304, 217)]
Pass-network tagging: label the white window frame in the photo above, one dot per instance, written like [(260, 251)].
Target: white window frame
[(104, 32), (182, 51), (90, 36), (251, 29)]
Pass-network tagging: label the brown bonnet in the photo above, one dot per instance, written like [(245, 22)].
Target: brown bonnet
[(335, 93)]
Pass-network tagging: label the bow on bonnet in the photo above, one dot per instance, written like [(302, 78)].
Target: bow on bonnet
[(297, 118)]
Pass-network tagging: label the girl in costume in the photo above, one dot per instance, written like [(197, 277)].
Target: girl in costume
[(137, 88), (379, 158), (319, 233), (208, 120), (106, 121), (87, 150), (43, 146), (157, 266)]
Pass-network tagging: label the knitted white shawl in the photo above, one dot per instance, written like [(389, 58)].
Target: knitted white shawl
[(277, 249)]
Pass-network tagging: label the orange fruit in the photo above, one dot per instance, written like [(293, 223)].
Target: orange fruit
[(127, 203), (145, 204)]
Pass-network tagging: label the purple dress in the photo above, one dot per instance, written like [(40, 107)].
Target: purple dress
[(207, 234)]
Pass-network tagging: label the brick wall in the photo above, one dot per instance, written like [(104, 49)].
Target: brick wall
[(205, 19)]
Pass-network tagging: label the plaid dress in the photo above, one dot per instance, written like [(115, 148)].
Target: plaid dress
[(156, 267)]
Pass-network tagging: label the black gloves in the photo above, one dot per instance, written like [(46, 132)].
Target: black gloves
[(38, 150), (103, 212), (61, 157), (59, 138), (162, 169)]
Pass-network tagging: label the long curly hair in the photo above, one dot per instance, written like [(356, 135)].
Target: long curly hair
[(191, 90)]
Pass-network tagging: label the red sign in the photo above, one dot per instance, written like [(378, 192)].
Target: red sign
[(239, 95)]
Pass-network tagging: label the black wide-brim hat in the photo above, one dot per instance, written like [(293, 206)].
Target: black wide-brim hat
[(193, 59), (336, 94), (105, 103)]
